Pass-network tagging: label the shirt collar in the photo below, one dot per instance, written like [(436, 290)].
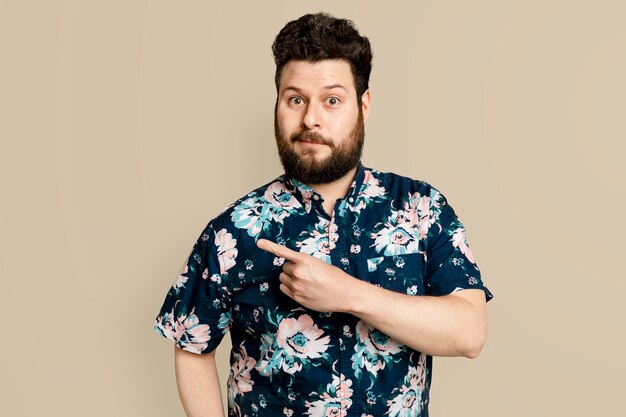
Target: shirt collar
[(305, 193)]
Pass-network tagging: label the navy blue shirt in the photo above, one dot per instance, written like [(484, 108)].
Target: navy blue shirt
[(391, 231)]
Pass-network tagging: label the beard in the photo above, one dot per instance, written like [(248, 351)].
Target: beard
[(307, 168)]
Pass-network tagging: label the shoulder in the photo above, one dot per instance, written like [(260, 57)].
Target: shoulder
[(402, 186), (246, 211)]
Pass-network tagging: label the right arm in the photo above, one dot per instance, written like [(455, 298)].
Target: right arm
[(198, 383)]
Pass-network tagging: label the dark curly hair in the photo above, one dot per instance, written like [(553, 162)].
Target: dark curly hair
[(319, 36)]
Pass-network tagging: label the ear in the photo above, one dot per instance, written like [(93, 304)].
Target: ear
[(366, 99)]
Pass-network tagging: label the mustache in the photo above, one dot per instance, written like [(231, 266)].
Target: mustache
[(310, 136)]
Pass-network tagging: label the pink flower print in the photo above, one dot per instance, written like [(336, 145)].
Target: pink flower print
[(417, 376), (360, 204), (405, 404), (181, 280), (226, 250), (282, 200), (323, 246), (459, 240), (186, 330), (416, 206), (197, 334), (307, 198), (334, 401), (301, 338), (240, 380), (378, 341), (423, 225), (400, 237), (372, 186), (409, 401), (374, 349), (295, 343), (396, 240), (321, 240), (421, 372), (247, 215), (346, 331), (332, 229), (416, 213), (355, 248), (345, 392), (370, 190)]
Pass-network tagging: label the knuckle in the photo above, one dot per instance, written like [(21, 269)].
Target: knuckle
[(297, 270), (297, 288)]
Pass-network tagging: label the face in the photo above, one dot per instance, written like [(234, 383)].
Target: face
[(318, 123)]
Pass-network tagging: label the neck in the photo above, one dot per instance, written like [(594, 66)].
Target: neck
[(336, 189)]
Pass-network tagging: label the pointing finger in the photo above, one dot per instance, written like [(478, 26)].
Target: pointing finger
[(278, 250)]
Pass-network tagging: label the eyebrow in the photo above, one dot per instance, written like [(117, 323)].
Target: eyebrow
[(328, 87)]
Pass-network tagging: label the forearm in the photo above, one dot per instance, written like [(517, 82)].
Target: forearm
[(451, 325), (198, 384), (439, 326)]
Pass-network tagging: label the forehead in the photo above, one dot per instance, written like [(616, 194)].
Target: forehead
[(317, 75)]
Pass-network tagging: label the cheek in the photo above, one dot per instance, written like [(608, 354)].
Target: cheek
[(341, 125), (288, 120)]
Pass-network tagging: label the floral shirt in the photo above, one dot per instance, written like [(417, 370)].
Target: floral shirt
[(391, 231)]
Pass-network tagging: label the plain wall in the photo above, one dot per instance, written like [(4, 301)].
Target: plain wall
[(126, 125)]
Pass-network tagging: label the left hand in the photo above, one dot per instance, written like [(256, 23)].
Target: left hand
[(310, 281)]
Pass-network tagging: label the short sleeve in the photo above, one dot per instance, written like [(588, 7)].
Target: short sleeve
[(450, 264), (196, 312)]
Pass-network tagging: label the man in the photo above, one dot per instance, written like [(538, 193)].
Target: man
[(337, 282)]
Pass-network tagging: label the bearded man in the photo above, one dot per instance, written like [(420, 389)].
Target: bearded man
[(337, 282)]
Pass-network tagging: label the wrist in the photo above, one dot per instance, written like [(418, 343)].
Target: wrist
[(354, 298)]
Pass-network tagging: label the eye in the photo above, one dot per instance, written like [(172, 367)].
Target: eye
[(333, 101), (295, 100)]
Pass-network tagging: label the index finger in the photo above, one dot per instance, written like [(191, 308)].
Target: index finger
[(279, 250)]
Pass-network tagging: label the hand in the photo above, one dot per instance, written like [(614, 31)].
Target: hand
[(310, 281)]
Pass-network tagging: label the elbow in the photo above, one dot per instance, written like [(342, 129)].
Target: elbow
[(473, 353), (474, 345), (476, 337), (470, 328)]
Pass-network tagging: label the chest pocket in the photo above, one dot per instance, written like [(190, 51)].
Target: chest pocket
[(400, 273), (258, 303)]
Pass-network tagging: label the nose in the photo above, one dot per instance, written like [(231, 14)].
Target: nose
[(312, 117)]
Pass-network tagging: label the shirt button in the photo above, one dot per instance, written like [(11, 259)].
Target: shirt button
[(316, 197), (351, 200)]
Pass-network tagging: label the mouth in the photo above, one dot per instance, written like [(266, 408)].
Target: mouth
[(308, 142), (310, 139)]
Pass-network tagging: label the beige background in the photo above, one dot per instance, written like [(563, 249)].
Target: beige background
[(126, 125)]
